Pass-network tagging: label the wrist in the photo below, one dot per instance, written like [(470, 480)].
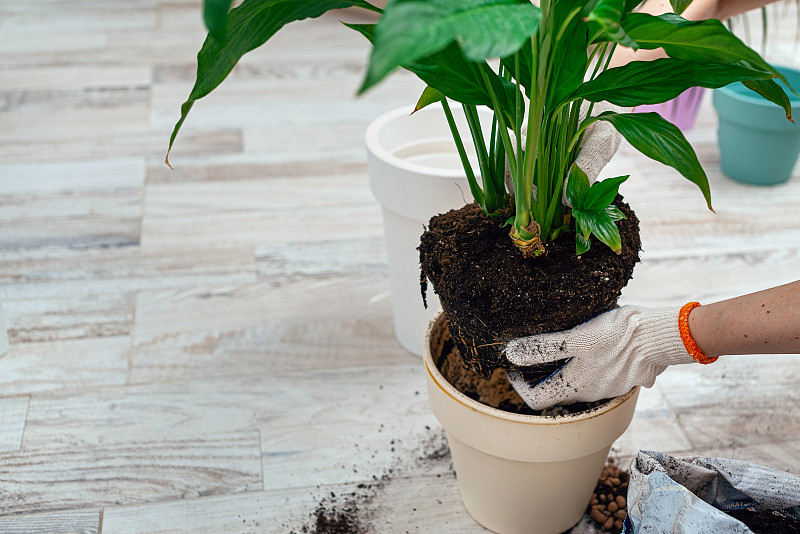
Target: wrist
[(684, 328)]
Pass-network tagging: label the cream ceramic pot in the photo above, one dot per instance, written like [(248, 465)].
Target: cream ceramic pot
[(523, 474)]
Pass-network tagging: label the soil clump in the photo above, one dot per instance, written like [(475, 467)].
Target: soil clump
[(496, 392), (491, 294)]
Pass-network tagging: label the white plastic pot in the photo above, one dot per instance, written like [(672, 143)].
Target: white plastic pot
[(415, 173), (524, 474)]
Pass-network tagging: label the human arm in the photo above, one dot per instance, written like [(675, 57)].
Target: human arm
[(765, 322), (632, 345)]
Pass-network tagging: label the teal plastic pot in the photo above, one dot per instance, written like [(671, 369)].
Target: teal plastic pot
[(757, 144)]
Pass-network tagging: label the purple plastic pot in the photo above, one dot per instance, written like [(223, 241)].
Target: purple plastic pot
[(680, 111)]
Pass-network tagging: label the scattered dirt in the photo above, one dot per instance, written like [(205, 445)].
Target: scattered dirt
[(491, 294), (352, 512), (766, 522), (609, 506)]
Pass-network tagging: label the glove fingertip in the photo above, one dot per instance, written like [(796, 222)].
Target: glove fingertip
[(527, 351)]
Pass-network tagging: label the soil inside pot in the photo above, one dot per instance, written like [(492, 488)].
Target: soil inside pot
[(491, 294), (496, 391), (766, 522)]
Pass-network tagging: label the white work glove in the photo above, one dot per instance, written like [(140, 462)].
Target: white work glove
[(607, 356), (598, 147)]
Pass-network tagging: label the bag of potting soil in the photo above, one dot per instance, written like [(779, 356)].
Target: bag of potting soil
[(669, 495)]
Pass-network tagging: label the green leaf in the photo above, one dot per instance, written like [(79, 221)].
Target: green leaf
[(429, 96), (601, 225), (249, 26), (569, 53), (679, 6), (608, 14), (654, 82), (706, 41), (215, 16), (603, 192), (525, 62), (449, 72), (662, 141), (577, 187), (582, 242), (411, 30), (773, 92), (615, 213)]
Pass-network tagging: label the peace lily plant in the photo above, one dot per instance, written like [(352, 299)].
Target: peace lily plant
[(536, 68)]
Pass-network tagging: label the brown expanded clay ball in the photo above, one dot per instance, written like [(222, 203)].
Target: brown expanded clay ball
[(608, 506)]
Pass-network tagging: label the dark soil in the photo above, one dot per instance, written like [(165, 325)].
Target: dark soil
[(491, 294), (766, 522)]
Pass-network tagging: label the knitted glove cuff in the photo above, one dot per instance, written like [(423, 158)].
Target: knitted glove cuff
[(660, 340)]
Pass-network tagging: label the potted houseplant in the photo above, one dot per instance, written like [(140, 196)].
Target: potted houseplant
[(553, 63)]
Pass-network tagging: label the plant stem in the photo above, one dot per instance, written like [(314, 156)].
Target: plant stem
[(490, 196), (474, 188)]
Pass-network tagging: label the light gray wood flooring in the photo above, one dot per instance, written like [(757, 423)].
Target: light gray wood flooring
[(210, 349)]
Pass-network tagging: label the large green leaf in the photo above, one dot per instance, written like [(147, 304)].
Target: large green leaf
[(525, 62), (215, 16), (707, 41), (662, 141), (449, 72), (653, 82), (411, 30), (773, 92), (249, 26), (569, 52)]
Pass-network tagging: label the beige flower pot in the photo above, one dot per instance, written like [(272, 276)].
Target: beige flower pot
[(523, 473)]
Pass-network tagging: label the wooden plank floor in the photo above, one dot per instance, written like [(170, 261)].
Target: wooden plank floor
[(210, 349)]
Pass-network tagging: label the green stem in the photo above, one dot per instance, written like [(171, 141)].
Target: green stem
[(503, 127), (474, 188), (478, 141)]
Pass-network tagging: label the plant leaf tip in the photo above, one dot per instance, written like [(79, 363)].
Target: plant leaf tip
[(166, 160)]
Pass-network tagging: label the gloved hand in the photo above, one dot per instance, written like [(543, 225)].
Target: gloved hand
[(607, 356)]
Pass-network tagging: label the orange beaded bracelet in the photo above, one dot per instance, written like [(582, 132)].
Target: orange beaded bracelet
[(686, 336)]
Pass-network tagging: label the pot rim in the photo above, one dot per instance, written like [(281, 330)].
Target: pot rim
[(372, 140), (476, 406), (754, 99)]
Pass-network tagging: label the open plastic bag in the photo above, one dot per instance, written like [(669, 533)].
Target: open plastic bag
[(669, 495)]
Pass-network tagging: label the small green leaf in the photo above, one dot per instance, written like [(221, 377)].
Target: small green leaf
[(602, 226), (602, 193), (608, 14), (429, 96), (582, 243), (615, 213), (577, 187), (215, 15)]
